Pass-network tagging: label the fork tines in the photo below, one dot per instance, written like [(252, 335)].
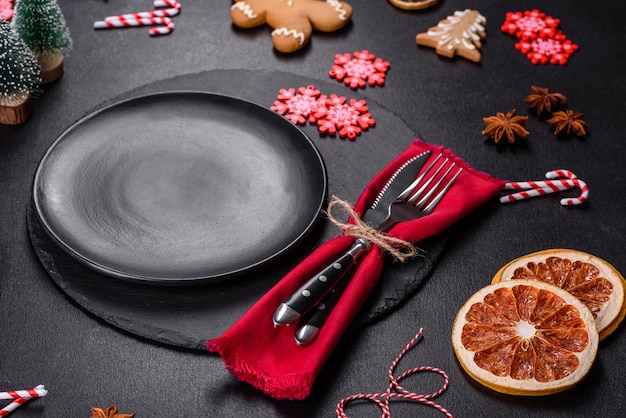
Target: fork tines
[(432, 184)]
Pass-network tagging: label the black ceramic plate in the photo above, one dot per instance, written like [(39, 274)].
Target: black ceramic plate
[(179, 188)]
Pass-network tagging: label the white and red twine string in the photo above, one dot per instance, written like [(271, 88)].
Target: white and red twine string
[(20, 397), (558, 180), (160, 19), (382, 399)]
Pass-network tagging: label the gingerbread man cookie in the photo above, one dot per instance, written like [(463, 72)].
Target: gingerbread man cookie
[(413, 4), (293, 21)]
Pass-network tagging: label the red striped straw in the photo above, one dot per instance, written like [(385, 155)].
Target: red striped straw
[(382, 399), (19, 400), (161, 18), (555, 183)]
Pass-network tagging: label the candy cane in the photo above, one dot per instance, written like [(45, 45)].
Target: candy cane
[(146, 21), (537, 188), (584, 189), (22, 400), (172, 10), (150, 18), (27, 393), (554, 184), (13, 406)]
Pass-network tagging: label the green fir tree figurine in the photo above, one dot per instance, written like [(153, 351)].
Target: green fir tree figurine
[(42, 26), (19, 76)]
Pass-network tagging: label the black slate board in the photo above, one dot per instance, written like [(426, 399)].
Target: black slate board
[(189, 316)]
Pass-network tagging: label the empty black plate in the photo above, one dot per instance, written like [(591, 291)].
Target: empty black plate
[(179, 188)]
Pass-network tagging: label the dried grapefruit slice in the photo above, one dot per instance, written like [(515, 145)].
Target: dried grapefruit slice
[(591, 279), (525, 337)]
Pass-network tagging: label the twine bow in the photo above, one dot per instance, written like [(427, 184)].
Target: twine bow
[(399, 249)]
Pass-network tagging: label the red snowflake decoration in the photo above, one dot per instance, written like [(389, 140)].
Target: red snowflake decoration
[(296, 106), (530, 24), (555, 50), (6, 9), (539, 37), (349, 119), (332, 115), (363, 68)]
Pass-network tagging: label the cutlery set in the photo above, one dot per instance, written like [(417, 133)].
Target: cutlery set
[(409, 194)]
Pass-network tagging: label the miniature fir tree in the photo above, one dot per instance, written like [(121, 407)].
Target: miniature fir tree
[(42, 26), (19, 76)]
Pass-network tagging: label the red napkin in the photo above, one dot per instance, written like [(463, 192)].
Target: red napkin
[(267, 357)]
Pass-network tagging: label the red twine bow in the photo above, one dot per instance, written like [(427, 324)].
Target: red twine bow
[(400, 392)]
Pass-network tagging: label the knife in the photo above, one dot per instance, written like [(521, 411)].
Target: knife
[(313, 291), (312, 322)]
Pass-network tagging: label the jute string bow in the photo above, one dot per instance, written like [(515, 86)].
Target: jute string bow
[(399, 249)]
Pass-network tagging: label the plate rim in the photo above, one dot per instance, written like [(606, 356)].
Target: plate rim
[(176, 281)]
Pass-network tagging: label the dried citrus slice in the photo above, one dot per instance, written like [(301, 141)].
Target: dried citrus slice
[(525, 337), (591, 279)]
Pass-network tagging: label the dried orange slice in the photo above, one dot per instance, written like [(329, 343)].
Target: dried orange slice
[(591, 279), (525, 337)]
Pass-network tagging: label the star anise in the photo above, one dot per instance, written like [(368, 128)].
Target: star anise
[(568, 122), (507, 126), (543, 100), (110, 412)]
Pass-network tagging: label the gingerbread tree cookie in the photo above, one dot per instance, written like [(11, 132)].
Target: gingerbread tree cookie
[(293, 21), (458, 34)]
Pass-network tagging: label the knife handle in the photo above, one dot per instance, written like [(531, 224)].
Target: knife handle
[(312, 292), (313, 321)]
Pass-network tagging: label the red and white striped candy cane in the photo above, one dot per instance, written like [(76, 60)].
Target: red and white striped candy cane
[(27, 393), (145, 21), (13, 406), (172, 9), (555, 183), (400, 392), (584, 189), (166, 9), (535, 188), (19, 401)]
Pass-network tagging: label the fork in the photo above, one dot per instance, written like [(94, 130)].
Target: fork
[(405, 208), (417, 200), (409, 205)]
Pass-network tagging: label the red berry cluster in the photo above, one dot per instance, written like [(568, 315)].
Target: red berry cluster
[(539, 37)]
